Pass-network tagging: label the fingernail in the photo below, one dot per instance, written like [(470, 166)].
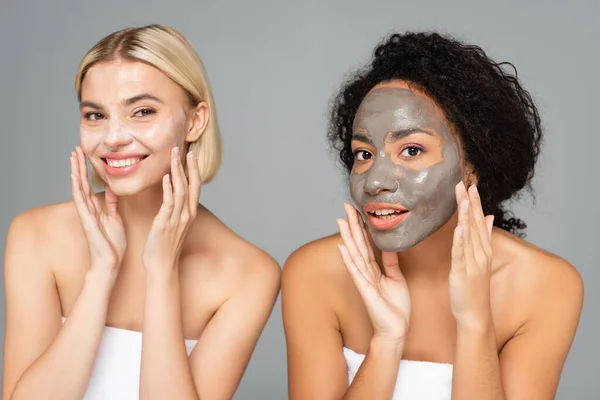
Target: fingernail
[(465, 206), (474, 191), (176, 150)]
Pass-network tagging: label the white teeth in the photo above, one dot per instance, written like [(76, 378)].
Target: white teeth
[(122, 163), (384, 212)]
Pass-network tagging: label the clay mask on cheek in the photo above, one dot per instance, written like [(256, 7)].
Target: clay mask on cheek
[(428, 193)]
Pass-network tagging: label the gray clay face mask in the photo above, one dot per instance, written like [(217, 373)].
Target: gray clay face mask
[(385, 116)]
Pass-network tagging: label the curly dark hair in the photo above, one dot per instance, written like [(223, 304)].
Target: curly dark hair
[(497, 121)]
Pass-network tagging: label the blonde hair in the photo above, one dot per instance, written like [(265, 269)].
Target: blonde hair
[(169, 51)]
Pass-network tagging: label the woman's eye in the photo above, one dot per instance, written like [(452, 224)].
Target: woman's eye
[(362, 155), (94, 116), (411, 151), (144, 113)]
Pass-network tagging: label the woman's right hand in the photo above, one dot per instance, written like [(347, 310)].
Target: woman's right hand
[(385, 294), (103, 226)]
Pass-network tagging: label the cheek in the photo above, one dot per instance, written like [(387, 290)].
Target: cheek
[(356, 184), (88, 141), (163, 135)]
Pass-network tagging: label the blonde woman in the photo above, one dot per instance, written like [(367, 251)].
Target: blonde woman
[(138, 291)]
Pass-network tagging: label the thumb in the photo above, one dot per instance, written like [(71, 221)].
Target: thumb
[(391, 268)]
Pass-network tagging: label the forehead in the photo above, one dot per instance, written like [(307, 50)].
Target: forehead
[(122, 79), (394, 106)]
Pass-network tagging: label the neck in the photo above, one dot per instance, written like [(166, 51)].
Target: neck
[(430, 260), (138, 210)]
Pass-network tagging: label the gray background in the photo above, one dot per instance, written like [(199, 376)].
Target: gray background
[(274, 67)]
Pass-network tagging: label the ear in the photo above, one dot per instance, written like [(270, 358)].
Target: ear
[(198, 122)]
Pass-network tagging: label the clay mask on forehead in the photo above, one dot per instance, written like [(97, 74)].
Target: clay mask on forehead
[(428, 193)]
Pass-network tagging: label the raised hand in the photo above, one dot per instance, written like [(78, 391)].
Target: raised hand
[(177, 213), (471, 262), (384, 293), (103, 226)]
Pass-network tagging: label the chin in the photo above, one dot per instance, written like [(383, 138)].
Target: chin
[(393, 242), (126, 187)]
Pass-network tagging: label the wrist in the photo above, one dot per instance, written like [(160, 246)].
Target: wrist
[(100, 279), (161, 272), (475, 326), (389, 346)]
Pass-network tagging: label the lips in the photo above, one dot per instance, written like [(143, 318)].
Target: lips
[(385, 216), (121, 164)]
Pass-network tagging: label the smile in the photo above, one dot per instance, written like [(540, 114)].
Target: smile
[(123, 163), (385, 216)]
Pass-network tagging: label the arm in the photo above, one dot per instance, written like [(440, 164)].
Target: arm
[(532, 361), (41, 358), (223, 350), (377, 375), (316, 365), (476, 373), (216, 365)]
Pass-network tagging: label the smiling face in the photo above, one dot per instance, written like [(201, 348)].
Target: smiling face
[(407, 163), (132, 115)]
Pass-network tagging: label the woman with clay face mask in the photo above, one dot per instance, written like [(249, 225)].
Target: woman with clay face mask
[(433, 296), (137, 292)]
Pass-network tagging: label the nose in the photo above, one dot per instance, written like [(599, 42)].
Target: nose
[(382, 177), (117, 136)]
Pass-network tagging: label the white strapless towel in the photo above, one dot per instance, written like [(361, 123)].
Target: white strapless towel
[(417, 380), (116, 373)]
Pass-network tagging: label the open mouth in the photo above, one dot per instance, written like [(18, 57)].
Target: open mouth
[(123, 163), (382, 216), (386, 214)]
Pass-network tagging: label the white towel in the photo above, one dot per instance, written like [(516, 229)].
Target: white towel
[(417, 380), (116, 373)]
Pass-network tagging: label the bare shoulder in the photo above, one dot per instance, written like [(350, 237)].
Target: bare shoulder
[(222, 254), (317, 265), (542, 279), (46, 224)]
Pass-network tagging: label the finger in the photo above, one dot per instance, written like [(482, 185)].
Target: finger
[(84, 213), (358, 277), (83, 177), (480, 224), (357, 232), (489, 221), (111, 201), (458, 254), (461, 192), (391, 268), (368, 241), (166, 209), (479, 232), (78, 195), (195, 182), (179, 188), (355, 254), (464, 223)]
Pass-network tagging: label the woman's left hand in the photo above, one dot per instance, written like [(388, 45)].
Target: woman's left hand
[(471, 262), (176, 215)]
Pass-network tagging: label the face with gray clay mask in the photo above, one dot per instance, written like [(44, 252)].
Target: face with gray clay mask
[(406, 165)]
